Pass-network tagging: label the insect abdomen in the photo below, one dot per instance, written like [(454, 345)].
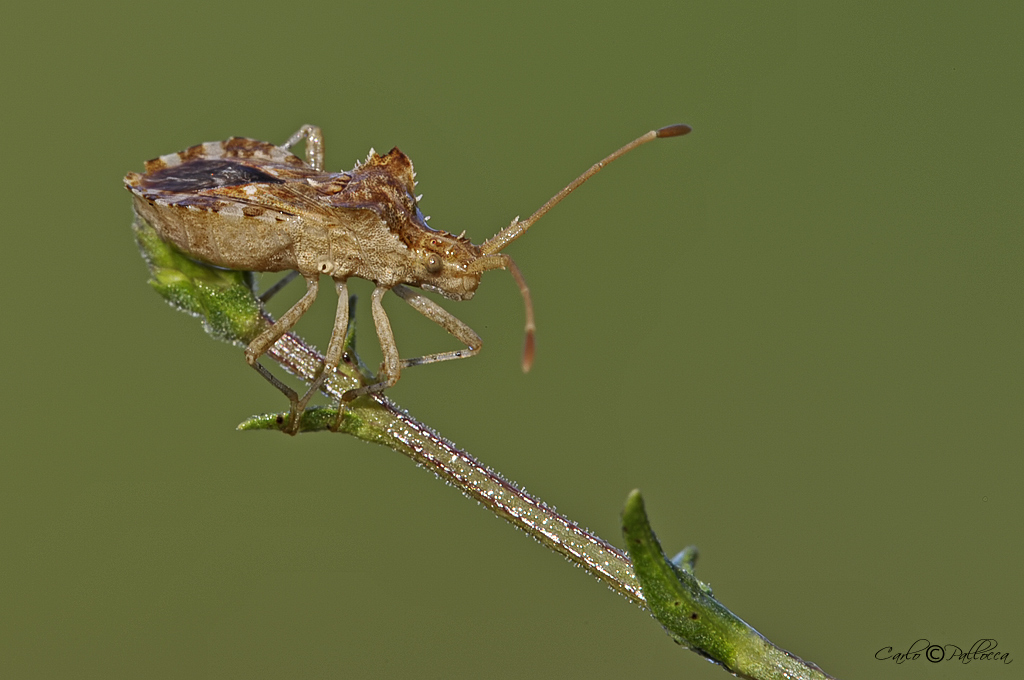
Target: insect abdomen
[(223, 234)]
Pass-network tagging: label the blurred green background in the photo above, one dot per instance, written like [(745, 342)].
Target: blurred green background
[(797, 330)]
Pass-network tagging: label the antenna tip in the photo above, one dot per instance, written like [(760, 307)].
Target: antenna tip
[(528, 349), (674, 130)]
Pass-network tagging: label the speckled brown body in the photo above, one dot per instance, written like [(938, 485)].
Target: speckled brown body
[(250, 205)]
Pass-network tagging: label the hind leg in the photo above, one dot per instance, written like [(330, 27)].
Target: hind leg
[(314, 145), (267, 338), (277, 287)]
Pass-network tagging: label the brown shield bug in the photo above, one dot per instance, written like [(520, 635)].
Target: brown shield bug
[(250, 205)]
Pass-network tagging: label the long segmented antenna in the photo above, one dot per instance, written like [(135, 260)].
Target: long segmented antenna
[(513, 231), (492, 258)]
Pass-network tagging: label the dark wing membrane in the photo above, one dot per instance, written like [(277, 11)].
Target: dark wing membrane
[(253, 187), (202, 174)]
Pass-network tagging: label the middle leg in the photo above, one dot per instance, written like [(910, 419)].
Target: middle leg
[(334, 350), (391, 366)]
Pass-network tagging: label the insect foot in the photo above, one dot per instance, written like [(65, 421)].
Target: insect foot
[(248, 205)]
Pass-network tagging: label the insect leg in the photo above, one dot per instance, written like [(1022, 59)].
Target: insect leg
[(314, 145), (334, 350), (391, 367), (443, 318), (267, 338), (292, 395), (276, 288)]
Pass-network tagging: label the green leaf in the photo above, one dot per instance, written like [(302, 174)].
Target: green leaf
[(227, 304), (314, 419), (692, 617), (223, 299), (675, 597)]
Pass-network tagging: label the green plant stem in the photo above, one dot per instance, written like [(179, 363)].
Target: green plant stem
[(672, 594), (376, 419), (226, 303)]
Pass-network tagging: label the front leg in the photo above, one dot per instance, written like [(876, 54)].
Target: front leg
[(443, 318)]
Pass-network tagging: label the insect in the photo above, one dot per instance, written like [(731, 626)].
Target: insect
[(250, 205)]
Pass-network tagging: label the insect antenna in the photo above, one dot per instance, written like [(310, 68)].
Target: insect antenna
[(516, 229), (494, 259), (503, 261)]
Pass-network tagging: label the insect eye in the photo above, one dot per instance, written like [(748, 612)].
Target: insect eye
[(433, 264), (435, 242)]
